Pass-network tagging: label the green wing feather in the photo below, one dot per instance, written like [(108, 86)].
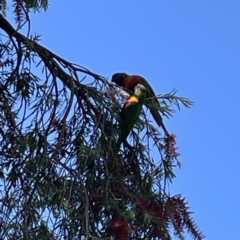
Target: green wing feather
[(150, 100), (130, 114)]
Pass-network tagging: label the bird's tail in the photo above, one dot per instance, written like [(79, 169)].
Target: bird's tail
[(121, 139), (158, 118)]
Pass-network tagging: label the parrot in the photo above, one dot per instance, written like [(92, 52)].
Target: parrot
[(129, 82), (130, 112)]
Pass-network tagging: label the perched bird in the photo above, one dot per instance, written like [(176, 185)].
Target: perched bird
[(129, 82), (130, 113)]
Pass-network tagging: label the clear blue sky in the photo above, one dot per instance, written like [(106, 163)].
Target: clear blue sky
[(193, 46)]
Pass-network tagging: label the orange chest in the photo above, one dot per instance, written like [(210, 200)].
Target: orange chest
[(131, 81), (131, 100)]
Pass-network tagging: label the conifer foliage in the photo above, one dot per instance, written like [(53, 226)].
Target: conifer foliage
[(60, 175)]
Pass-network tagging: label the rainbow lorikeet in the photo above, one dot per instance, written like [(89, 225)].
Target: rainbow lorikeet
[(129, 82), (130, 113)]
